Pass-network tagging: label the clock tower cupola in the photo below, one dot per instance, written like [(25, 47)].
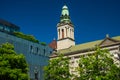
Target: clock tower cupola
[(65, 30)]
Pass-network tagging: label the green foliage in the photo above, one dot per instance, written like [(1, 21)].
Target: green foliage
[(27, 37), (58, 69), (13, 66), (43, 43), (99, 66)]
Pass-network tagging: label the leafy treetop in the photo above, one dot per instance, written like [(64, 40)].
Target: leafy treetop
[(13, 66), (98, 66), (58, 69)]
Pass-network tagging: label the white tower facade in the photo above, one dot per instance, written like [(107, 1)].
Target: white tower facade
[(65, 30)]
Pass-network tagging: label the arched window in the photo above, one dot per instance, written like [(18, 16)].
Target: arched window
[(59, 33), (66, 32), (62, 33), (70, 32)]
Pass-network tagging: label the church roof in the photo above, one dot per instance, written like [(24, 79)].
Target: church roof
[(86, 46), (53, 44)]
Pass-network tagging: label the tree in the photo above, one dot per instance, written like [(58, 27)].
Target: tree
[(57, 69), (27, 37), (98, 66), (13, 66)]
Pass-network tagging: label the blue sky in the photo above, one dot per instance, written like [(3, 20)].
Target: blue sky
[(93, 19)]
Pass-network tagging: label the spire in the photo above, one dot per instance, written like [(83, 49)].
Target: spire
[(65, 18), (107, 35), (65, 11)]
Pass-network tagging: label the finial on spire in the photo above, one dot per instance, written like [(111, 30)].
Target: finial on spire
[(107, 35), (65, 10), (65, 15)]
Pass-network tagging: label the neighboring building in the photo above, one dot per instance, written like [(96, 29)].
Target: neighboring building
[(66, 44), (36, 55)]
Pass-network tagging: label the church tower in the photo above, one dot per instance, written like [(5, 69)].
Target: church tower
[(65, 30)]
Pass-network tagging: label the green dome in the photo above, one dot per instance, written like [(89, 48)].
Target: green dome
[(65, 10), (65, 18)]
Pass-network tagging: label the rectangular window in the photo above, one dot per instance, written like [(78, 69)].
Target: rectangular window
[(62, 33), (1, 27), (7, 29), (31, 49), (44, 51), (37, 50)]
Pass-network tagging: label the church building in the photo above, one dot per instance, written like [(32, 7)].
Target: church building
[(65, 43)]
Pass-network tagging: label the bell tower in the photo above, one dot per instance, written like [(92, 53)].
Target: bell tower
[(65, 30)]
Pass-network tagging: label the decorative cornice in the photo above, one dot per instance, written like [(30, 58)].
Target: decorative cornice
[(66, 38), (85, 50), (62, 24)]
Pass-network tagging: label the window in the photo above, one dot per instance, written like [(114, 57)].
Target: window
[(119, 48), (62, 33), (66, 32), (36, 73), (1, 27), (7, 29), (59, 33), (36, 76), (31, 49), (72, 60), (12, 30), (37, 50), (44, 51), (70, 32), (50, 52)]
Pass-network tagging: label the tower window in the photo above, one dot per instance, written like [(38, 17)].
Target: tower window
[(62, 33), (70, 32), (66, 32), (59, 33)]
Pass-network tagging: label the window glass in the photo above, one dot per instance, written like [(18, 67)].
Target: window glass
[(1, 27), (37, 50), (119, 48), (44, 51), (7, 29), (31, 49)]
